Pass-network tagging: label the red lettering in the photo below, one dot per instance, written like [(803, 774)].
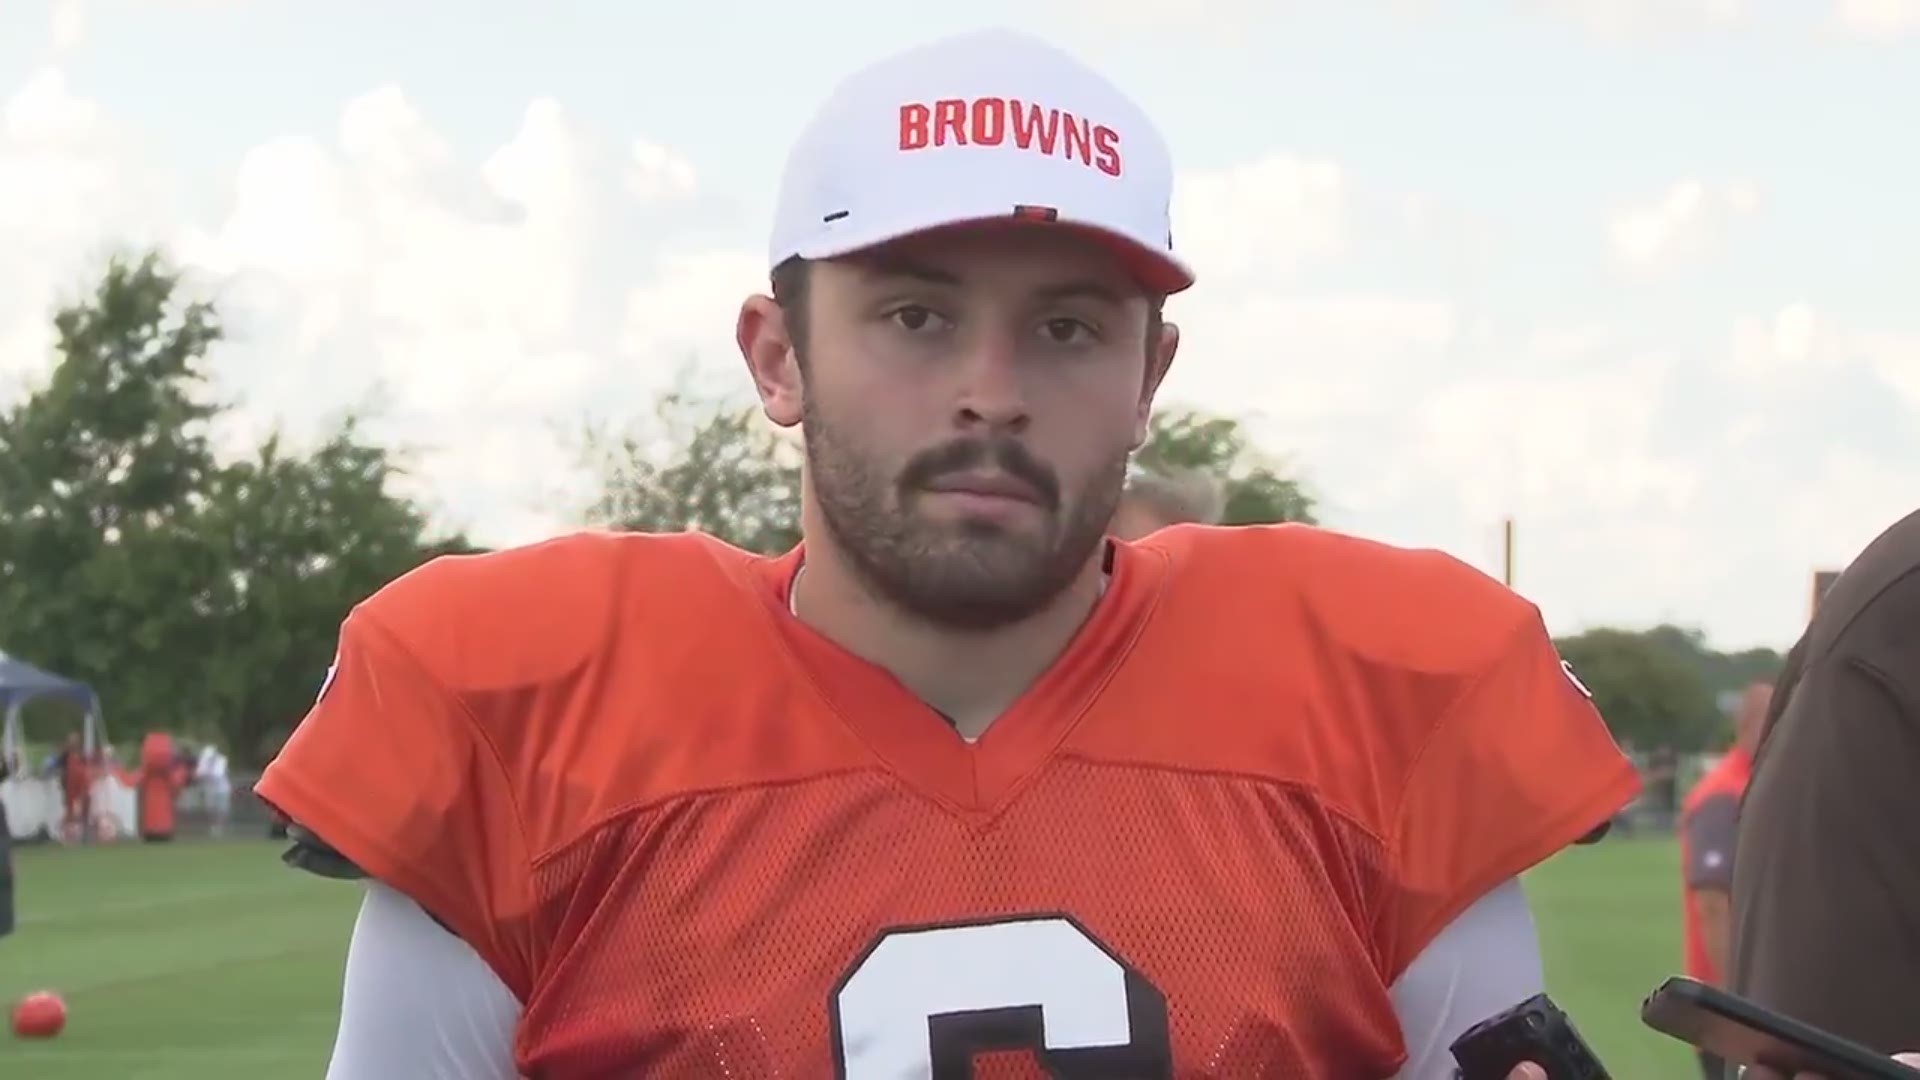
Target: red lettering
[(1029, 126), (1079, 139), (950, 122), (989, 121), (914, 118), (1106, 150)]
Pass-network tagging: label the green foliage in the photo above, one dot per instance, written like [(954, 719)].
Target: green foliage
[(1257, 489), (711, 464), (1721, 672), (195, 595), (704, 464), (1661, 687), (298, 540)]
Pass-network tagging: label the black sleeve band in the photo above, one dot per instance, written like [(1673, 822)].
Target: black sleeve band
[(315, 856)]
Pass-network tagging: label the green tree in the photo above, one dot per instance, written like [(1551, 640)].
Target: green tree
[(1257, 487), (194, 595), (300, 540), (1649, 695), (1721, 672), (102, 475), (704, 464)]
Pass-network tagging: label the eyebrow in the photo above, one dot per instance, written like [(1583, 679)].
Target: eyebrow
[(895, 267), (1079, 289)]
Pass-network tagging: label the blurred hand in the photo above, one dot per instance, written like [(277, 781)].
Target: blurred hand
[(1528, 1071), (1761, 1072)]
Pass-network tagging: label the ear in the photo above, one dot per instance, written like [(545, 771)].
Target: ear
[(1159, 361), (767, 347)]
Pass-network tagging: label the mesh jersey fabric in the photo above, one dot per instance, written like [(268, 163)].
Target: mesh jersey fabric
[(696, 839), (420, 1003)]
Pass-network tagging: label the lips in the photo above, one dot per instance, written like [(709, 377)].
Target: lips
[(996, 485)]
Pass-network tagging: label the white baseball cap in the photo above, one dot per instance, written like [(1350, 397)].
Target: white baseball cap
[(983, 127)]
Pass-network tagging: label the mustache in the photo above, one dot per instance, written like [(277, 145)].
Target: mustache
[(966, 455)]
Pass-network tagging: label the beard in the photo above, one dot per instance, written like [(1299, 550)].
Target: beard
[(972, 575)]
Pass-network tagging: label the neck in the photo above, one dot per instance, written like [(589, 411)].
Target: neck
[(971, 677)]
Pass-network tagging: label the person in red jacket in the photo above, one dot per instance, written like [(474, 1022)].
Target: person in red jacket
[(1709, 820), (76, 788)]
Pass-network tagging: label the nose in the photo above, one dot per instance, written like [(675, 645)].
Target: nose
[(992, 392)]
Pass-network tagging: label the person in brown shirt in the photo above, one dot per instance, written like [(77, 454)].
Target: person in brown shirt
[(1826, 885)]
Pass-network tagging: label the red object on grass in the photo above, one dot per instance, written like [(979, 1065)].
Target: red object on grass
[(39, 1015)]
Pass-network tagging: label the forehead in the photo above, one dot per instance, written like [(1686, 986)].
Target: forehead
[(1013, 259)]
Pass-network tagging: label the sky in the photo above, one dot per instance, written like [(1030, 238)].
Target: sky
[(1638, 274)]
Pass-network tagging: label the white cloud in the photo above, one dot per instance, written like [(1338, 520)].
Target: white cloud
[(472, 306), (1682, 224), (479, 297), (45, 114), (1641, 18), (1798, 343), (658, 173), (72, 187), (1554, 439), (1269, 216), (1221, 20), (1791, 338), (1895, 357), (685, 307), (1878, 18), (69, 25)]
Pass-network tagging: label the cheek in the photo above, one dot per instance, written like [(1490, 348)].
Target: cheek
[(1101, 409), (862, 424), (864, 381)]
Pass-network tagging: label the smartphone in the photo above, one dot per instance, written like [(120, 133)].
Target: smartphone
[(1743, 1033), (1534, 1030)]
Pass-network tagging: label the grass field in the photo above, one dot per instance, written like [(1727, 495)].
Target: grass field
[(200, 961)]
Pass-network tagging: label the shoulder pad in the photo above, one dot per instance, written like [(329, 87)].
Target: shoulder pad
[(528, 615), (1414, 609)]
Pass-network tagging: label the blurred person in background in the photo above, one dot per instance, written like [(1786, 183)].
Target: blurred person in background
[(216, 787), (1663, 786), (1156, 498), (76, 775), (1826, 886), (1708, 830)]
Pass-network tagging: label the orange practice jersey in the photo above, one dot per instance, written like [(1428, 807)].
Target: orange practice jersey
[(697, 839)]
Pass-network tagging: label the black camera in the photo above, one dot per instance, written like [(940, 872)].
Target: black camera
[(1534, 1030)]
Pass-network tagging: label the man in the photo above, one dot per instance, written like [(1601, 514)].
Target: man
[(1826, 921), (959, 787), (216, 787), (1708, 824), (76, 789), (1156, 498)]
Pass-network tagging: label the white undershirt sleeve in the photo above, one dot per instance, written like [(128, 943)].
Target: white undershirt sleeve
[(1485, 962), (418, 1001)]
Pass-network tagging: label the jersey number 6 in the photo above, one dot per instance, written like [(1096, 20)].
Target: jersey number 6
[(922, 1002)]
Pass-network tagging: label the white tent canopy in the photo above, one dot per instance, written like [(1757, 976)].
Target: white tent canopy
[(34, 803)]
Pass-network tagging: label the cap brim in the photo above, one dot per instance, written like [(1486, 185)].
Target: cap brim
[(1158, 271)]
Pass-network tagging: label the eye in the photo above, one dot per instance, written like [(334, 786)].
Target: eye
[(1065, 331), (916, 319)]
